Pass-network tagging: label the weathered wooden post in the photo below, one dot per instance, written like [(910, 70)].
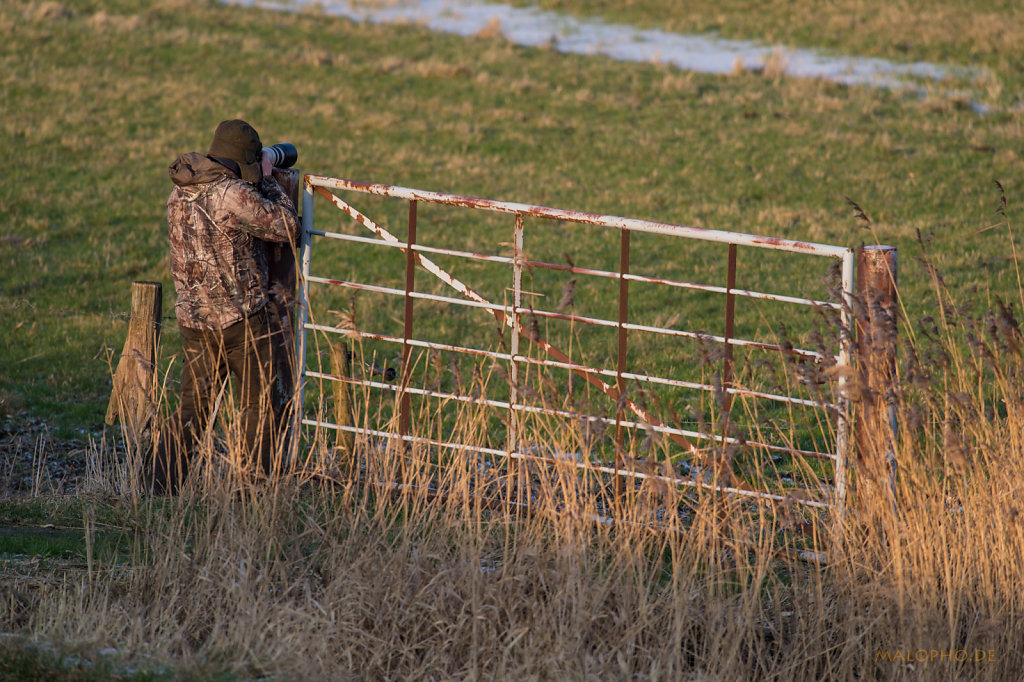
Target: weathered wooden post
[(877, 316), (344, 441), (133, 397)]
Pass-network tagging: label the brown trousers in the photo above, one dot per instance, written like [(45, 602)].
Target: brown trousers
[(246, 351)]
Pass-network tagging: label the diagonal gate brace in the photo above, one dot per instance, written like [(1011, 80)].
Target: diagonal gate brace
[(459, 286)]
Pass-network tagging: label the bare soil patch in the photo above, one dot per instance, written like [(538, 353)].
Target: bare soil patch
[(33, 461)]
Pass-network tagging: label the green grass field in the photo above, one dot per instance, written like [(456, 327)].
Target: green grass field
[(99, 98), (747, 152), (978, 33), (311, 581)]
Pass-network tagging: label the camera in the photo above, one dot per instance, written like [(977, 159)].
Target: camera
[(282, 155)]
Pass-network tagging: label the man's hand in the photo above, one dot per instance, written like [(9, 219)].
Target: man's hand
[(266, 167)]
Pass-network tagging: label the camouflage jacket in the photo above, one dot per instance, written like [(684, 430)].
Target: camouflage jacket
[(217, 224)]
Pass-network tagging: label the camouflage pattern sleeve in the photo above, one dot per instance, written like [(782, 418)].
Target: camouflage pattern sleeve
[(263, 211)]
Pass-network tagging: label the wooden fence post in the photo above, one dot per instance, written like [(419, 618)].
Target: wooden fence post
[(133, 397), (875, 430), (344, 441)]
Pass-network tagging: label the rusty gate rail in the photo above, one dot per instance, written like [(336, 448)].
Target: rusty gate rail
[(609, 381)]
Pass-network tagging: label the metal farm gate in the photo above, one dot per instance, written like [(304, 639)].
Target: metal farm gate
[(617, 388)]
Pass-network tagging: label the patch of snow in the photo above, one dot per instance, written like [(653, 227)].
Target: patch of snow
[(531, 26)]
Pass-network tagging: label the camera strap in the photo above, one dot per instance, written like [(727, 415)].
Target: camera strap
[(227, 163)]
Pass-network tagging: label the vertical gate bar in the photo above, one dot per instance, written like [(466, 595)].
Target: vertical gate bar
[(843, 417), (730, 319), (517, 301), (410, 282), (302, 319), (620, 366)]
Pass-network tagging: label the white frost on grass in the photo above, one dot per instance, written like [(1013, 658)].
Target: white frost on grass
[(530, 26)]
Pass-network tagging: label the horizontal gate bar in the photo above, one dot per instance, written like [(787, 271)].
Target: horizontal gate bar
[(598, 322), (414, 294), (419, 248), (412, 342), (565, 365), (533, 409), (632, 224), (412, 390), (632, 277), (571, 461), (575, 269), (679, 383)]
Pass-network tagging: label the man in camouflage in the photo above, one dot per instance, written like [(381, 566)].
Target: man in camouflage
[(225, 205)]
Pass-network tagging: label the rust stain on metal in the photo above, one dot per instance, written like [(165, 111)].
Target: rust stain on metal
[(410, 286), (511, 317), (779, 241), (730, 318), (588, 374), (582, 217)]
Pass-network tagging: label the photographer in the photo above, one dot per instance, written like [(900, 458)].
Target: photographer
[(225, 205)]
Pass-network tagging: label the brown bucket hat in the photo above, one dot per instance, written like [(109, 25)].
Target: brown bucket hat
[(239, 141)]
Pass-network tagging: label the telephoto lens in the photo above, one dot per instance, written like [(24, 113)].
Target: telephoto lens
[(282, 155)]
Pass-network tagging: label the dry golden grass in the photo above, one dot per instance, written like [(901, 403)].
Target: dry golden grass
[(322, 576), (315, 579)]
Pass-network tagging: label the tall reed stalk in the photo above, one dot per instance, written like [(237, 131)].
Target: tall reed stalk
[(334, 574)]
